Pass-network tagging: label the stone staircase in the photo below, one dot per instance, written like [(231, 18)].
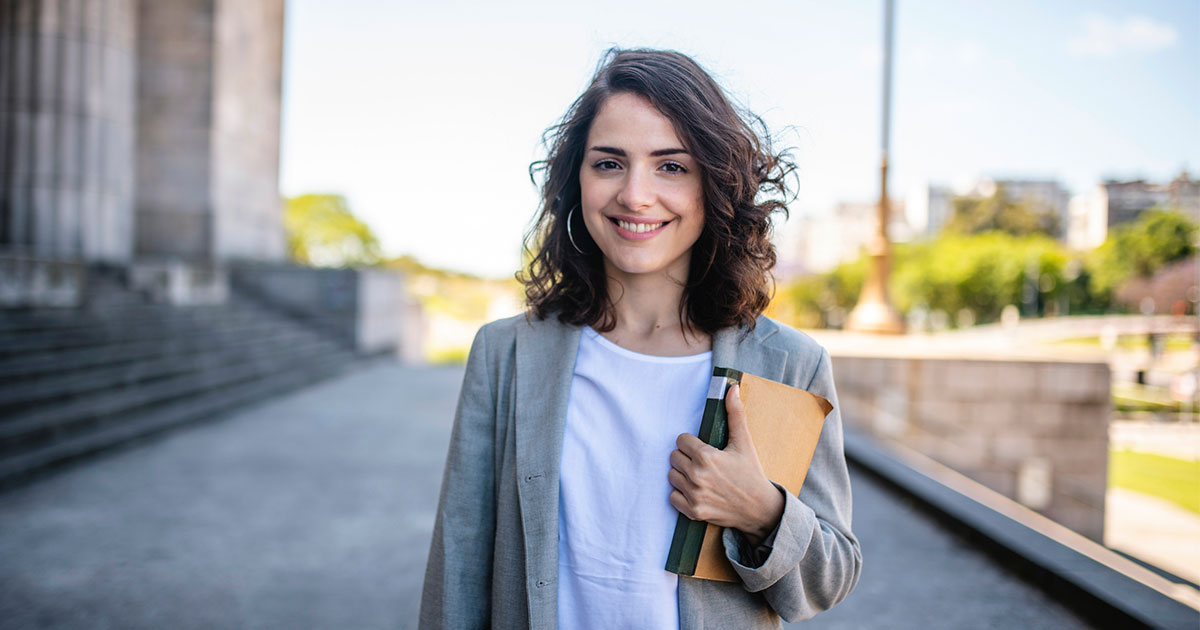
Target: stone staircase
[(75, 382)]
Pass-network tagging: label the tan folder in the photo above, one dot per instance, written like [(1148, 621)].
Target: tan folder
[(785, 423)]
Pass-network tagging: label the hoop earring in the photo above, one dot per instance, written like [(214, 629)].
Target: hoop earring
[(570, 236)]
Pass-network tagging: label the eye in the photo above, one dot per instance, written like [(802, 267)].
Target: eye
[(674, 167), (606, 165)]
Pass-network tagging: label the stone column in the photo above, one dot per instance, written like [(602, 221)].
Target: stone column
[(248, 63), (208, 130), (66, 128)]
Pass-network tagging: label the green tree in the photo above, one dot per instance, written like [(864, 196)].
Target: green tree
[(812, 301), (982, 273), (322, 231), (975, 215), (1159, 236)]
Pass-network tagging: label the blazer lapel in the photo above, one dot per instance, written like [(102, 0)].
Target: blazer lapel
[(733, 348), (545, 356)]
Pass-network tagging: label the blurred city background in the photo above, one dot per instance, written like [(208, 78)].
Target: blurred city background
[(292, 217)]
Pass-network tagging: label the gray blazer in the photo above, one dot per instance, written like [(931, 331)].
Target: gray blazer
[(493, 561)]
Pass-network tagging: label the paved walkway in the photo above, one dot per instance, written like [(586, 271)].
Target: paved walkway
[(315, 511), (1155, 530)]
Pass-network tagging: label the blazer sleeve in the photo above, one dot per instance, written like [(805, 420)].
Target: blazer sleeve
[(815, 560), (458, 576)]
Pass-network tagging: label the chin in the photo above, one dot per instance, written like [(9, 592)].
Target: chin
[(644, 266)]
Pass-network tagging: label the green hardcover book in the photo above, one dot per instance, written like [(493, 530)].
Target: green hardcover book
[(785, 424), (714, 430)]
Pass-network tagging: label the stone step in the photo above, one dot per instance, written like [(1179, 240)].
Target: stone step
[(140, 426), (50, 422), (23, 320), (67, 360), (206, 352), (143, 327)]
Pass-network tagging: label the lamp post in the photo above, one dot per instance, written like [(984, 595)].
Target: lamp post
[(874, 312)]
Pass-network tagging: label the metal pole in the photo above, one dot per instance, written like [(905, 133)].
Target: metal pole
[(874, 312)]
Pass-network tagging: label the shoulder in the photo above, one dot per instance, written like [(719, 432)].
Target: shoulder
[(507, 328), (779, 335), (500, 335), (805, 357), (497, 331), (496, 339)]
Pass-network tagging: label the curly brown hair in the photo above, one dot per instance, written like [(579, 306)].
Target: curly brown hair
[(729, 282)]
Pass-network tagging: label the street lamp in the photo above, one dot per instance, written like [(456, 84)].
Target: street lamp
[(874, 312)]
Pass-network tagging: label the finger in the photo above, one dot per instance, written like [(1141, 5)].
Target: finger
[(739, 428), (680, 502), (680, 482), (682, 463), (692, 446)]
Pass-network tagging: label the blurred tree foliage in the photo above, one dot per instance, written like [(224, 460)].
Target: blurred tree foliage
[(455, 294), (986, 271), (975, 215), (1158, 237), (322, 231), (982, 272), (821, 300)]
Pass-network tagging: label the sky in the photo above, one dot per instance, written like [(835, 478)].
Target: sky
[(426, 116)]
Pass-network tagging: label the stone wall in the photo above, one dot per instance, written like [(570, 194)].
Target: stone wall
[(368, 309), (1035, 431)]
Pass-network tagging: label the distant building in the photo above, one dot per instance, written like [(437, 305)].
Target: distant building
[(1045, 195), (1087, 225), (1112, 202), (1127, 200), (927, 209), (840, 236), (1184, 194)]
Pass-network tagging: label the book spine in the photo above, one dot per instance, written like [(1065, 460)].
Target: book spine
[(714, 431)]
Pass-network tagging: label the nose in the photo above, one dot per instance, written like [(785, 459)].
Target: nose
[(638, 191)]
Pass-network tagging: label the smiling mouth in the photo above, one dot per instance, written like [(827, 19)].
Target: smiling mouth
[(637, 228)]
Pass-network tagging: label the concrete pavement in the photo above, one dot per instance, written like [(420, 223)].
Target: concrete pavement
[(314, 511)]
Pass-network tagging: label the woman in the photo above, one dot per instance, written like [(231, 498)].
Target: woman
[(572, 449)]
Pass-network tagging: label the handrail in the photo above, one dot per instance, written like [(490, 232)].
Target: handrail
[(1090, 575)]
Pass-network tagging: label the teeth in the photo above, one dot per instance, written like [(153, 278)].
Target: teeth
[(639, 227)]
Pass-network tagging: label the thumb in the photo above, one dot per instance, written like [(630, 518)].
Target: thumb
[(739, 429)]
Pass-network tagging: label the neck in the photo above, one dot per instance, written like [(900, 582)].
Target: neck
[(647, 310)]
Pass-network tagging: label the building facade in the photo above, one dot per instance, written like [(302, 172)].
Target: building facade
[(136, 130), (1113, 202)]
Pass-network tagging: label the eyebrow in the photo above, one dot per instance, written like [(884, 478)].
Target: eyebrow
[(621, 152)]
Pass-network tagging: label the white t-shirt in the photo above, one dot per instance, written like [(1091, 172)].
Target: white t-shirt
[(615, 522)]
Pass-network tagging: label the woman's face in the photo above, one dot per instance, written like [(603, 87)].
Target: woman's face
[(642, 193)]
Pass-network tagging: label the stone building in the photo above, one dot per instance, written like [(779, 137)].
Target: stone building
[(827, 240), (1113, 202), (1043, 195), (139, 132), (928, 207), (143, 280)]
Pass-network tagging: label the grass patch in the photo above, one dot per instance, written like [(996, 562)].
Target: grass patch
[(1175, 341), (1133, 397), (1176, 480)]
